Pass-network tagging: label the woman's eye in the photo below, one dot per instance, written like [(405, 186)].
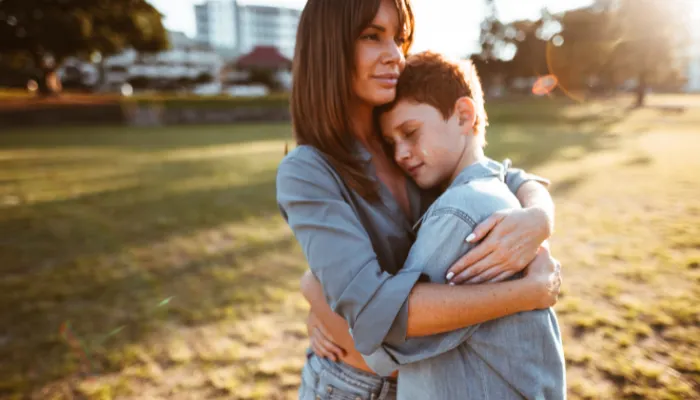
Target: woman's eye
[(370, 36), (410, 133)]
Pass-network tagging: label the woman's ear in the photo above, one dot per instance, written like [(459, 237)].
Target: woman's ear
[(465, 110)]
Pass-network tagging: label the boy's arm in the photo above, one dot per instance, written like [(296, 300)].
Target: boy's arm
[(531, 191), (509, 239), (440, 241)]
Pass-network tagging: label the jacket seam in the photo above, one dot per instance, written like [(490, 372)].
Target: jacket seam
[(456, 212)]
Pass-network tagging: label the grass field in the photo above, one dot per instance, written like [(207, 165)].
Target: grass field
[(153, 263)]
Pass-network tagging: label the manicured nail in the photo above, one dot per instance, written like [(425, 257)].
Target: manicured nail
[(451, 283), (470, 237), (450, 275)]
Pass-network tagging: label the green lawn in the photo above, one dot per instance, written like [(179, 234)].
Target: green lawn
[(153, 263)]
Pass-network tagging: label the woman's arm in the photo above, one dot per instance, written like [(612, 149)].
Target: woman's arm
[(509, 239), (435, 308), (312, 199), (373, 302), (334, 325), (473, 304)]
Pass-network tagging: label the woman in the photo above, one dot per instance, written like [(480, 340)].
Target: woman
[(352, 210)]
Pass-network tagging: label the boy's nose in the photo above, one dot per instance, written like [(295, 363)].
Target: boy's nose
[(402, 152)]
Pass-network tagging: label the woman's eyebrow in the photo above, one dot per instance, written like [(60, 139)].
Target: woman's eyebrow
[(377, 27)]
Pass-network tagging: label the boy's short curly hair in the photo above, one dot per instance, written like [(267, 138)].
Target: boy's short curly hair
[(433, 79)]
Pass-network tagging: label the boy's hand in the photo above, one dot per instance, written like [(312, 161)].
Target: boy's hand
[(544, 272), (511, 240)]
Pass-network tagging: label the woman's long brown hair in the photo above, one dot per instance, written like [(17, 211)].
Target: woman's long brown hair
[(323, 68)]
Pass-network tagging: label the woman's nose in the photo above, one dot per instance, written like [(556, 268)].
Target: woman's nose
[(393, 54)]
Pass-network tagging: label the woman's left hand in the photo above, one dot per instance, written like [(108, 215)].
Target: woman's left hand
[(512, 238)]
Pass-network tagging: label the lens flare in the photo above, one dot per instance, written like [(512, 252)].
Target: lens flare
[(544, 85), (549, 56)]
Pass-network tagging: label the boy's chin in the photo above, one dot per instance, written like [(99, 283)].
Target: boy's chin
[(425, 183)]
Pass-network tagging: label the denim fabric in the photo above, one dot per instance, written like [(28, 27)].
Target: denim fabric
[(514, 357), (357, 248), (323, 379)]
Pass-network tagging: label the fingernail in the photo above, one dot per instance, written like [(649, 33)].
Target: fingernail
[(450, 275), (470, 237), (451, 283)]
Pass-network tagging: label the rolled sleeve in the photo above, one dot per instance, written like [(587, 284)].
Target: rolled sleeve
[(440, 242), (515, 178), (339, 251)]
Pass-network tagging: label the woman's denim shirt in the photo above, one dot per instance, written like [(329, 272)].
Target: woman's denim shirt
[(357, 248)]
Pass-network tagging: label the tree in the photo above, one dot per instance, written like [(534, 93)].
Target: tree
[(654, 37), (599, 47), (48, 31), (585, 60), (615, 41), (204, 77), (513, 50), (492, 31), (264, 76)]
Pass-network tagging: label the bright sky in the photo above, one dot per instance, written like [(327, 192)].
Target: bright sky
[(446, 26)]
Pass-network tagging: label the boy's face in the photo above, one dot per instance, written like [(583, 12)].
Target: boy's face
[(426, 146)]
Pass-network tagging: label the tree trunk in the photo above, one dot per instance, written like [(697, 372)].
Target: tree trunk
[(641, 90), (50, 83), (101, 75)]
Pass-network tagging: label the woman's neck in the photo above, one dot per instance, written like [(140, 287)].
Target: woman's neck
[(363, 128)]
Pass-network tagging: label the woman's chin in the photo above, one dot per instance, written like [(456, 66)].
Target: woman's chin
[(383, 96)]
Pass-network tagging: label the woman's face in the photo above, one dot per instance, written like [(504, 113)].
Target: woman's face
[(379, 57)]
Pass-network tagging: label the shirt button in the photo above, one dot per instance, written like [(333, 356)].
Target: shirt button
[(329, 389), (318, 397)]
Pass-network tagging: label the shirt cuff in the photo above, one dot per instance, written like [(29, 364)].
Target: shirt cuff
[(516, 177), (381, 312), (381, 362), (398, 330)]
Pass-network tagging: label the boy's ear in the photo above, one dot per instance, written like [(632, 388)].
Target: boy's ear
[(465, 110)]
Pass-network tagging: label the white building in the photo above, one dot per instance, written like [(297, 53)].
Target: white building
[(239, 28), (186, 59)]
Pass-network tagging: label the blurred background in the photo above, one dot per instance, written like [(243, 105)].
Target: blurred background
[(142, 253)]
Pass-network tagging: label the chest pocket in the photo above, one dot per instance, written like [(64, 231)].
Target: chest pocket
[(334, 387)]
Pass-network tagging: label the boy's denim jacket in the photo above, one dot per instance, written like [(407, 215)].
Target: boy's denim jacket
[(518, 356)]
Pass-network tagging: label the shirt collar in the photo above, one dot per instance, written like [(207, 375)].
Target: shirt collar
[(362, 153), (485, 168)]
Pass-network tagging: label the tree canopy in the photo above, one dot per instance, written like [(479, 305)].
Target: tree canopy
[(48, 31), (601, 46)]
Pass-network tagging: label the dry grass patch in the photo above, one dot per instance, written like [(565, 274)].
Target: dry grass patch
[(165, 251)]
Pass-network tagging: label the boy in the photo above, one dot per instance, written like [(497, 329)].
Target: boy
[(435, 128)]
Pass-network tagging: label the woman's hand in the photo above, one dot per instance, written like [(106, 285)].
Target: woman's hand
[(512, 238), (544, 273), (321, 340)]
